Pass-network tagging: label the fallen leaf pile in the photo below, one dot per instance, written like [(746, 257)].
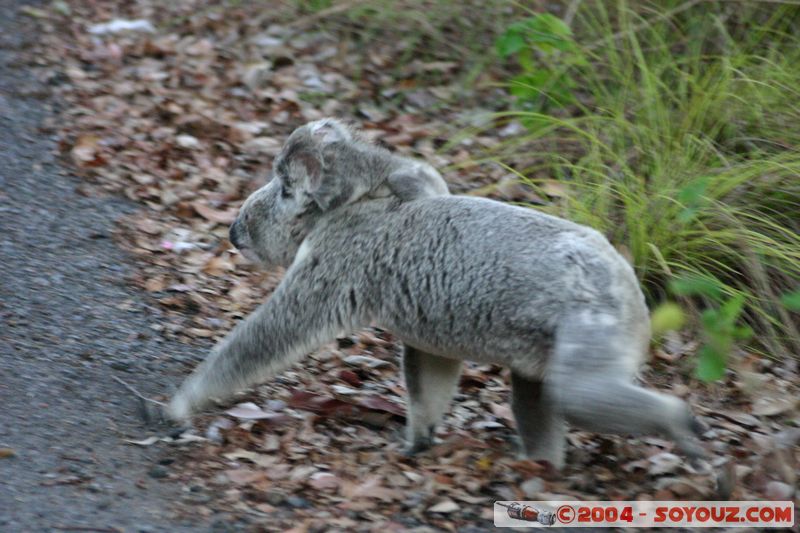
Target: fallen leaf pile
[(184, 112), (180, 107)]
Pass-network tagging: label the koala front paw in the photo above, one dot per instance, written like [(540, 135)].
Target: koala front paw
[(417, 446), (154, 415), (151, 412), (177, 410)]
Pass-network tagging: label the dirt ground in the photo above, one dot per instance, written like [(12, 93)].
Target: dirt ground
[(68, 323)]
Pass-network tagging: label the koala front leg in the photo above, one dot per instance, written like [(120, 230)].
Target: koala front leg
[(431, 382), (541, 426), (302, 314)]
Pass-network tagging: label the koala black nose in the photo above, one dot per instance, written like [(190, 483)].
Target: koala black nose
[(233, 234)]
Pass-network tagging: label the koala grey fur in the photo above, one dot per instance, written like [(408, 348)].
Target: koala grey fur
[(454, 278), (325, 164), (332, 164)]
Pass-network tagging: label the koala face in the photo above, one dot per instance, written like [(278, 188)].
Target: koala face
[(275, 219), (272, 224)]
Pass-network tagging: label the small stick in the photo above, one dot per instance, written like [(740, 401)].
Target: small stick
[(88, 528), (149, 415), (136, 392), (333, 10)]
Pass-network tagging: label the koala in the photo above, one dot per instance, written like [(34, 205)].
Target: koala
[(453, 278), (325, 164), (331, 164)]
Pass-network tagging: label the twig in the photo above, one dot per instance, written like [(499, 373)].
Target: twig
[(338, 8), (636, 27), (572, 9), (136, 392), (88, 528)]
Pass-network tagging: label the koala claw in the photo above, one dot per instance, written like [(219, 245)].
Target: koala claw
[(697, 426), (415, 448), (153, 415), (150, 412)]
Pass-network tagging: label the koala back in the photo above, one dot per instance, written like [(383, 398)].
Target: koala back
[(470, 278)]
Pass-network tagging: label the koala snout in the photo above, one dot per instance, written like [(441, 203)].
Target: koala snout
[(234, 234)]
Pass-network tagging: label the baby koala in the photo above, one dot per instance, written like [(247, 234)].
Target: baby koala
[(334, 165)]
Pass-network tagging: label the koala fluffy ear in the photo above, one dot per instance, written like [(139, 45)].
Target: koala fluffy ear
[(305, 172), (303, 162), (327, 131), (309, 172)]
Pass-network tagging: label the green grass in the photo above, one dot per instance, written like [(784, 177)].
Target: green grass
[(681, 144), (424, 30), (673, 125)]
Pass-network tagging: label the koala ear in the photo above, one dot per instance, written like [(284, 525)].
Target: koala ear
[(310, 181), (327, 131), (306, 172)]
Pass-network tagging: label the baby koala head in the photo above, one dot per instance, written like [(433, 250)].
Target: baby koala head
[(330, 163)]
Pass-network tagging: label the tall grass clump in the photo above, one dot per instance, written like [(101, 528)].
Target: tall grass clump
[(674, 129), (419, 30)]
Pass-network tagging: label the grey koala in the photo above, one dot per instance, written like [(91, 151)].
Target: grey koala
[(326, 164), (454, 278), (330, 163)]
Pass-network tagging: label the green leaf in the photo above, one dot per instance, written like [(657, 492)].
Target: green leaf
[(687, 215), (729, 312), (743, 333), (535, 123), (792, 300), (691, 196), (710, 364), (543, 31), (549, 32), (710, 319), (667, 317), (509, 43), (693, 192), (696, 285), (547, 25), (543, 85), (532, 81)]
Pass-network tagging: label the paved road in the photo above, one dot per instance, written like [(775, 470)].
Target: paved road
[(64, 331)]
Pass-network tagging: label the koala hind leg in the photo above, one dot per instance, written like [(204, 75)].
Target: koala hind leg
[(431, 381), (591, 379), (541, 426)]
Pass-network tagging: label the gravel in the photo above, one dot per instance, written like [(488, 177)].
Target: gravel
[(64, 334)]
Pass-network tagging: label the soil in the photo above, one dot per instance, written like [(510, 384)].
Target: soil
[(68, 324)]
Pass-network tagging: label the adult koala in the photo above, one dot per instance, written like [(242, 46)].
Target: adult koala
[(454, 278)]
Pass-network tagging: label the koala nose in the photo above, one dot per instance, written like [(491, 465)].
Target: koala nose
[(233, 234)]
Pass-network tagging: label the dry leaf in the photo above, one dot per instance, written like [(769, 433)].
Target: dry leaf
[(86, 151), (250, 411), (214, 215), (772, 406), (245, 476), (324, 480), (444, 506)]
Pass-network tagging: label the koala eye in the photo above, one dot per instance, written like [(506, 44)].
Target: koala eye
[(285, 192)]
